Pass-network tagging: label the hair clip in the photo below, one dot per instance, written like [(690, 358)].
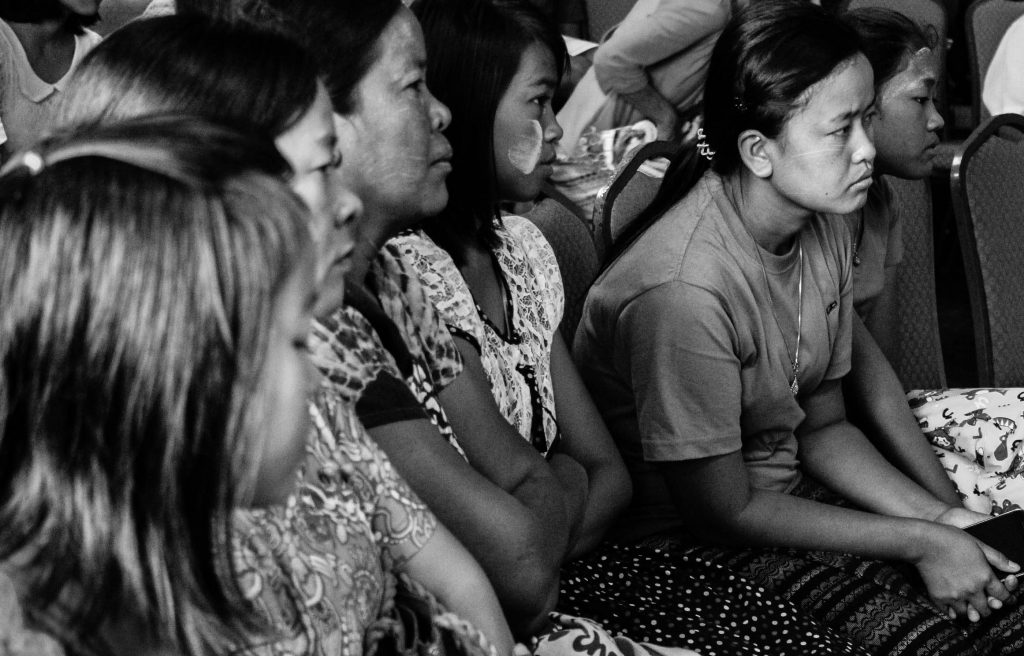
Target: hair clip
[(33, 161), (702, 145), (738, 103)]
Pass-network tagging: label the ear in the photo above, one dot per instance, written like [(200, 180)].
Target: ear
[(753, 148)]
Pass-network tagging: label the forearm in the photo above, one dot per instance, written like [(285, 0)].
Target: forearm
[(605, 500), (509, 538), (654, 106), (728, 510), (844, 460), (576, 490), (877, 404), (445, 568)]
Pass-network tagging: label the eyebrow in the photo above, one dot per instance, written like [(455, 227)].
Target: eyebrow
[(544, 83), (846, 116)]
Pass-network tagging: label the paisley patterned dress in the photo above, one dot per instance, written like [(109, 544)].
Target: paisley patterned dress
[(319, 567)]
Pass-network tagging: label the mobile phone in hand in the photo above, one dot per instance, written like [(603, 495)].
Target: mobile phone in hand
[(1004, 532)]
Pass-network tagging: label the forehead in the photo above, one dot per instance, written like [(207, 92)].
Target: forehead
[(848, 89), (400, 46), (536, 66), (917, 68)]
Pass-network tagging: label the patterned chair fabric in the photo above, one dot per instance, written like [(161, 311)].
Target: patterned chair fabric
[(630, 191), (986, 22), (576, 253), (913, 347), (988, 201), (930, 14)]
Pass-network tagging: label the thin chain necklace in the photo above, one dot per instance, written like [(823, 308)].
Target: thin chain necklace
[(794, 383)]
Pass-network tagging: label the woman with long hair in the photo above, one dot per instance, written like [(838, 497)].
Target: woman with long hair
[(155, 286), (321, 566)]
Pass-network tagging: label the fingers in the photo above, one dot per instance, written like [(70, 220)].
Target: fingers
[(995, 589), (1011, 582), (997, 560)]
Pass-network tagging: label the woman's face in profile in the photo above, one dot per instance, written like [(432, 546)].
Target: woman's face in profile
[(525, 129), (280, 422), (823, 158), (907, 123), (394, 155), (311, 147)]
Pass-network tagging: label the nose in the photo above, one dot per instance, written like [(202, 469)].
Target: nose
[(935, 120), (552, 130), (347, 207), (440, 115), (863, 146), (346, 212)]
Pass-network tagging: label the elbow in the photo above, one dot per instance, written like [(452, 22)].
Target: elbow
[(530, 592)]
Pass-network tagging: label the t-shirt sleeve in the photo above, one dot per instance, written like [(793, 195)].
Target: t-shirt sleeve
[(641, 41), (684, 372), (387, 400)]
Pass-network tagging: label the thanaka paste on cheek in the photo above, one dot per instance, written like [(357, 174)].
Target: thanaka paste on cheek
[(524, 154)]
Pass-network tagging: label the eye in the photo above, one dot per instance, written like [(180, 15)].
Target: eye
[(922, 100), (417, 86), (841, 132)]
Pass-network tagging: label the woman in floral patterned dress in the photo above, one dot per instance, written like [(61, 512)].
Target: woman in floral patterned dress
[(321, 566)]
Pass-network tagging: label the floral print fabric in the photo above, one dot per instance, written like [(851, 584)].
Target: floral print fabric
[(348, 351), (978, 435), (319, 568), (534, 284)]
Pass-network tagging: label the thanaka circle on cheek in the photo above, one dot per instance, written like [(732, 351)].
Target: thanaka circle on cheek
[(524, 153)]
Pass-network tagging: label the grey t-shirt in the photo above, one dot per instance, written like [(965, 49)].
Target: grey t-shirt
[(686, 359)]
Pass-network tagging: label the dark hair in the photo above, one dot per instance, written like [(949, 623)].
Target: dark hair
[(765, 60), (888, 38), (143, 261), (253, 11), (239, 75), (342, 35), (38, 11), (474, 49)]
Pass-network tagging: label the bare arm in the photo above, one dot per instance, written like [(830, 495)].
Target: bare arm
[(714, 496), (653, 105), (444, 567), (514, 546), (586, 439), (491, 443), (875, 396)]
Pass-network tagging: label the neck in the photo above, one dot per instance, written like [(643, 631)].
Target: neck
[(374, 231), (772, 220), (34, 36)]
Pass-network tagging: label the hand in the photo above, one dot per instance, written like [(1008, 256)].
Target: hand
[(957, 572), (576, 485), (668, 127), (960, 517)]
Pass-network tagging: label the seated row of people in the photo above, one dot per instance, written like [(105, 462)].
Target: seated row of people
[(716, 346)]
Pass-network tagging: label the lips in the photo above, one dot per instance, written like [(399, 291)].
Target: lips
[(861, 180)]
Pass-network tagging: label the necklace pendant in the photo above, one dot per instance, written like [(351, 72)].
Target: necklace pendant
[(794, 387)]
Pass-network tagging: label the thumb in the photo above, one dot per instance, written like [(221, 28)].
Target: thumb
[(997, 559)]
